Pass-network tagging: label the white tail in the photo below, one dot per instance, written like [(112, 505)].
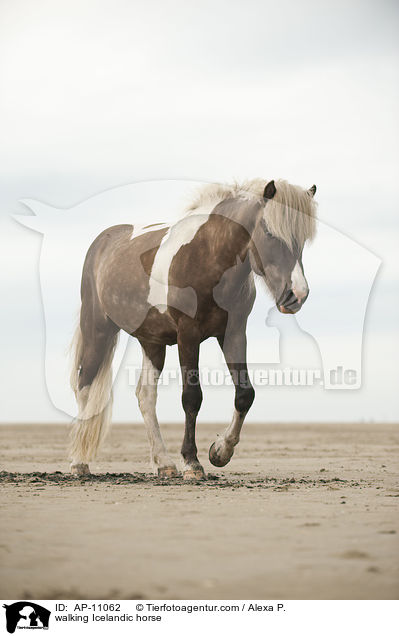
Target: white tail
[(94, 402)]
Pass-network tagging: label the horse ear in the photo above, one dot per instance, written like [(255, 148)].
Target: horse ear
[(312, 191), (270, 190)]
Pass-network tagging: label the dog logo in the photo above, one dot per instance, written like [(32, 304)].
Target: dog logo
[(26, 615)]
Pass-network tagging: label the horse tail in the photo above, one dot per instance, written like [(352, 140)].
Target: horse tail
[(94, 397), (75, 350)]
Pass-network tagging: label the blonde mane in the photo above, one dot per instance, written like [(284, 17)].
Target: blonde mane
[(289, 216)]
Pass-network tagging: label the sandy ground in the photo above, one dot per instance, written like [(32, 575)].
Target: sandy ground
[(301, 511)]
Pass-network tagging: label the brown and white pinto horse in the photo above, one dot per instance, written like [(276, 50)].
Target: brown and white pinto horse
[(183, 284)]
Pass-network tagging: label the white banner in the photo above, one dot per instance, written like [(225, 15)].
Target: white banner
[(279, 618)]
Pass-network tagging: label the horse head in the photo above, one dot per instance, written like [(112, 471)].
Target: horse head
[(287, 221)]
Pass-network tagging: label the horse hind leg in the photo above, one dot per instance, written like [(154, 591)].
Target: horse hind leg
[(146, 392), (91, 380)]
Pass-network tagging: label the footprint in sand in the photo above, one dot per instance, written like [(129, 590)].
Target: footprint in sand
[(354, 554)]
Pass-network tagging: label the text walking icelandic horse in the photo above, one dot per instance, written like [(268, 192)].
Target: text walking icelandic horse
[(181, 285)]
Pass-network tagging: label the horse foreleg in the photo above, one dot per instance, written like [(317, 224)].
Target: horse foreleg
[(234, 351), (153, 361), (188, 345)]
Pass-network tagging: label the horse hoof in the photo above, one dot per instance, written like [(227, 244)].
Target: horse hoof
[(80, 469), (194, 474), (218, 460), (167, 472)]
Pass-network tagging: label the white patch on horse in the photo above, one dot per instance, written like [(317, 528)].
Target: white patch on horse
[(231, 436), (138, 230), (146, 392), (224, 445), (299, 284), (181, 233)]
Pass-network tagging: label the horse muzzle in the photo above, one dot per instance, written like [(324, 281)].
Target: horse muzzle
[(290, 303)]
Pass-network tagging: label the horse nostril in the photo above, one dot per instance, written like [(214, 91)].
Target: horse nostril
[(290, 299), (290, 303)]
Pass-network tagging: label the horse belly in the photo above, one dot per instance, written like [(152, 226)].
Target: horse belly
[(157, 328)]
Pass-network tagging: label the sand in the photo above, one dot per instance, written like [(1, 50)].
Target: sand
[(301, 512)]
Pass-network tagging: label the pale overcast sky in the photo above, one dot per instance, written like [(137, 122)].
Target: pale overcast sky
[(95, 95)]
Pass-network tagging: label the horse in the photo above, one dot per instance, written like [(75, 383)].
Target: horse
[(181, 284)]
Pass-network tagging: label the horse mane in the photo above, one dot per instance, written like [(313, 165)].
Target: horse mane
[(289, 216)]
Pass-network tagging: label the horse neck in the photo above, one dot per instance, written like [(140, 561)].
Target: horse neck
[(236, 237), (232, 243)]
